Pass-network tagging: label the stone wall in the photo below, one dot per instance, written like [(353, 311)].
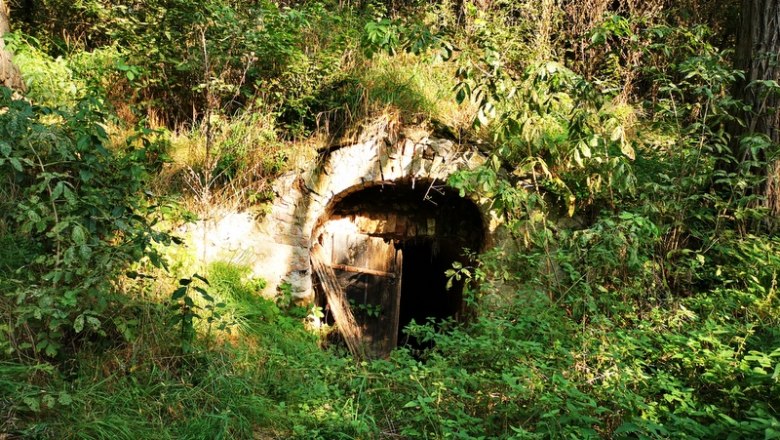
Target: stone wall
[(276, 247)]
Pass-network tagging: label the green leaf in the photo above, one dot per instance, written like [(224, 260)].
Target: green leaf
[(32, 403), (460, 96), (628, 150), (78, 324), (83, 143), (33, 216), (48, 401), (51, 350), (412, 404), (69, 196), (627, 427), (86, 175), (85, 252), (578, 158), (178, 293), (618, 133), (79, 235), (59, 227), (584, 149), (16, 164), (204, 294), (65, 399), (185, 281), (157, 261), (58, 189), (729, 420), (202, 279), (93, 322)]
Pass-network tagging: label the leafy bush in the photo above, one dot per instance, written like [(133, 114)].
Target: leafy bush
[(83, 209), (50, 81)]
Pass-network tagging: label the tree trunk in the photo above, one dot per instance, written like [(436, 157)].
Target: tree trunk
[(9, 74), (758, 54)]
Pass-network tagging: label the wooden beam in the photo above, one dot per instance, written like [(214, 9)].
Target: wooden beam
[(337, 301), (354, 269), (396, 309)]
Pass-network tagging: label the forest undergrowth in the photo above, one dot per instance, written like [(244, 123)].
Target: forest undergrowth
[(634, 294)]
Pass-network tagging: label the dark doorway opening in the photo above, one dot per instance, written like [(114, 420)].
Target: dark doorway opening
[(389, 247), (424, 292)]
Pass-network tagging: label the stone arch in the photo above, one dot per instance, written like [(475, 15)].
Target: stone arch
[(304, 199), (277, 246), (385, 226), (386, 247), (380, 161)]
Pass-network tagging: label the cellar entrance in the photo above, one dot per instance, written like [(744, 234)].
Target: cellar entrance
[(380, 257), (424, 293)]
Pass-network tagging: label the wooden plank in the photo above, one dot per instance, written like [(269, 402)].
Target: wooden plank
[(366, 270), (340, 250), (354, 269), (396, 301), (337, 301), (364, 293), (361, 250), (379, 255)]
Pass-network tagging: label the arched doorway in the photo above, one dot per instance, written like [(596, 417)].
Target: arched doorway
[(384, 251)]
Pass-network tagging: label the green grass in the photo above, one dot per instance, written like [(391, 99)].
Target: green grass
[(524, 367), (416, 86), (230, 386)]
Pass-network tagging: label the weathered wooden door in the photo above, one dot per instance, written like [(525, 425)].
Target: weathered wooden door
[(368, 269)]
